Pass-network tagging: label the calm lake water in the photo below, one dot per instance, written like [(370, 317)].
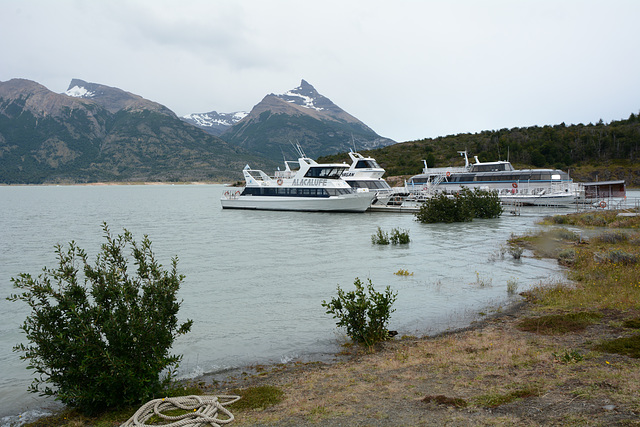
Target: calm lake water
[(255, 279)]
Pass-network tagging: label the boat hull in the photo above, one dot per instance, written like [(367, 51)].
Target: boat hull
[(347, 203)]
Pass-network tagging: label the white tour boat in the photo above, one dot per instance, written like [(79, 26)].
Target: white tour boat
[(550, 187), (311, 186), (365, 172)]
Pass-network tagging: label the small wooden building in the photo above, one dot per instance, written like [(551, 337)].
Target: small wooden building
[(605, 189)]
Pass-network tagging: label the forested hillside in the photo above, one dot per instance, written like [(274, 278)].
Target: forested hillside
[(589, 152)]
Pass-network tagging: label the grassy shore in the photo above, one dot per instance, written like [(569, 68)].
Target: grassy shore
[(568, 354)]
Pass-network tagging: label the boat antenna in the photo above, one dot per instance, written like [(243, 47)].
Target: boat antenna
[(298, 148)]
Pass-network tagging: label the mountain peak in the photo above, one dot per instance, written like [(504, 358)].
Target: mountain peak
[(112, 98), (307, 96)]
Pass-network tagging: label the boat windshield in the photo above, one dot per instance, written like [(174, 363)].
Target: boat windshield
[(332, 172), (367, 164)]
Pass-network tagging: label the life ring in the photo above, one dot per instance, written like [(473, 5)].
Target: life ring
[(226, 193), (603, 204), (279, 181), (448, 174), (238, 193), (514, 185)]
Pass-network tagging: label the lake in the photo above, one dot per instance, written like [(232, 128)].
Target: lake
[(255, 280)]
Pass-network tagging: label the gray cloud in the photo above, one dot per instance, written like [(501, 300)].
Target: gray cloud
[(409, 69)]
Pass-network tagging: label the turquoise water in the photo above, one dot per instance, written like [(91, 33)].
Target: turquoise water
[(255, 280)]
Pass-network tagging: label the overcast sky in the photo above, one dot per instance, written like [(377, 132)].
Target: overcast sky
[(408, 69)]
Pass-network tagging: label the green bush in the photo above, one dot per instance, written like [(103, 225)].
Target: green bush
[(484, 204), (365, 315), (461, 207), (380, 238), (400, 237), (100, 335), (444, 208)]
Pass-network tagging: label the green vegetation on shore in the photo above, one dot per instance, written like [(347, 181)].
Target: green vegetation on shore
[(590, 152), (572, 353)]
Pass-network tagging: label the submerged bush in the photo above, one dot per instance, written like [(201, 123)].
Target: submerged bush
[(461, 207), (100, 335), (399, 237), (364, 314), (380, 238)]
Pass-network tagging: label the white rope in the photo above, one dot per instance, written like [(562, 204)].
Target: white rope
[(201, 411)]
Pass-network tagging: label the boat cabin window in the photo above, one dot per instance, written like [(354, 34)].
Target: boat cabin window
[(372, 185), (492, 167), (325, 172), (289, 192), (367, 164)]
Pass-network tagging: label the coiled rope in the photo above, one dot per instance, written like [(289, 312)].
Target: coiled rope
[(201, 411)]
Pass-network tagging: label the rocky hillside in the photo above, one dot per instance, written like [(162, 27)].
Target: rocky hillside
[(98, 133), (301, 115)]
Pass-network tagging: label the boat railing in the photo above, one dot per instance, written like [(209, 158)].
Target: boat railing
[(232, 194)]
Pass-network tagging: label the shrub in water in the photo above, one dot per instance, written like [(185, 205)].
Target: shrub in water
[(461, 207), (100, 335), (364, 314), (485, 204), (380, 238), (443, 208), (399, 237)]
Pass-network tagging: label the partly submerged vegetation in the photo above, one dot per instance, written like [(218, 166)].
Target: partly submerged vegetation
[(397, 237), (461, 207)]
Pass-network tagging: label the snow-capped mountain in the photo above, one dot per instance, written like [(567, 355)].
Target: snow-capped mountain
[(301, 115), (213, 122)]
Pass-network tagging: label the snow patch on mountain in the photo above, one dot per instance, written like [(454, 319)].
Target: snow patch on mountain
[(80, 92), (301, 100), (215, 119)]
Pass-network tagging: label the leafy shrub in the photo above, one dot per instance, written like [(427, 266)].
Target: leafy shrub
[(380, 238), (364, 315), (443, 208), (101, 335), (399, 237), (484, 204), (461, 207)]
